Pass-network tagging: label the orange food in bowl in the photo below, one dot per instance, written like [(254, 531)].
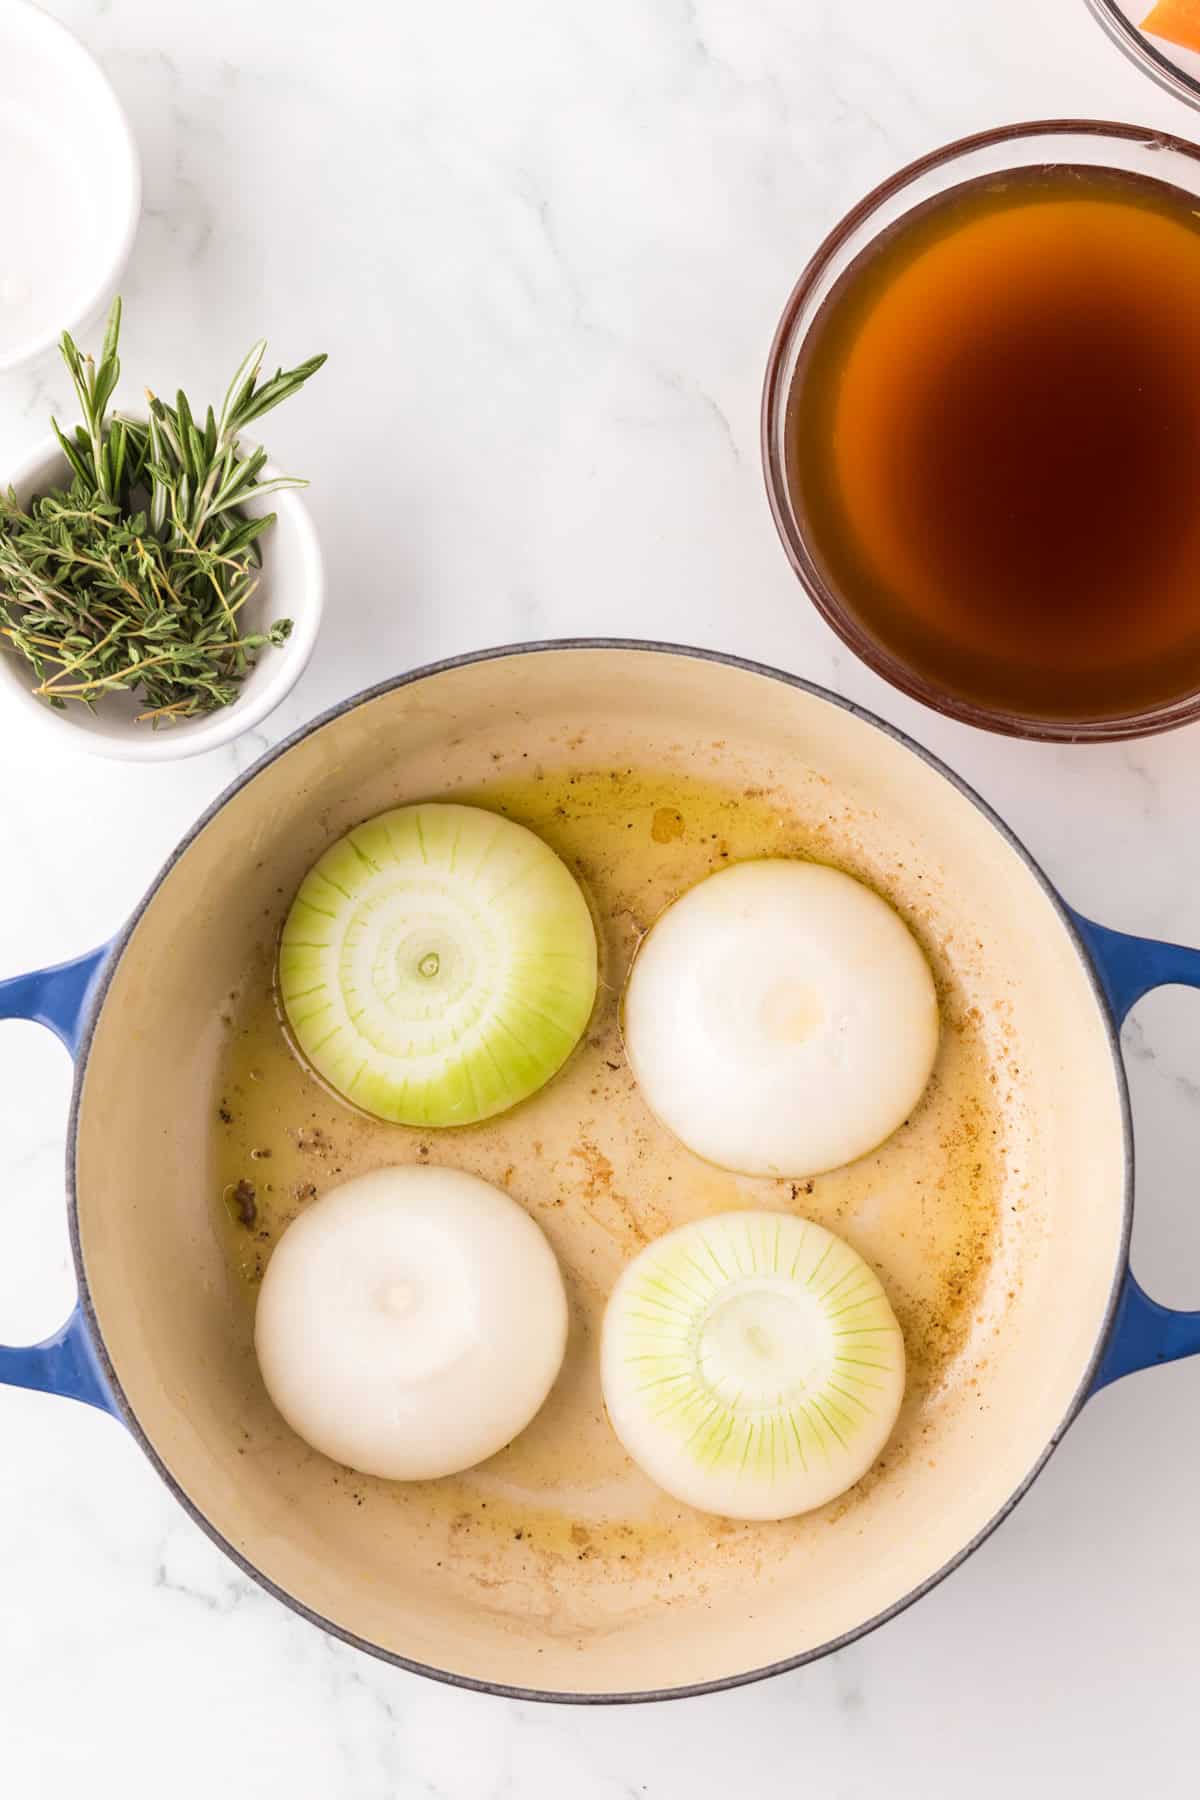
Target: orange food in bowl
[(1176, 20)]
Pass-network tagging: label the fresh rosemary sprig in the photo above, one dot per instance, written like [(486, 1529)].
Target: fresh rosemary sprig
[(134, 577)]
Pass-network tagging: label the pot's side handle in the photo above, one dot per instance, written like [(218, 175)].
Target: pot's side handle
[(65, 1363), (1143, 1332)]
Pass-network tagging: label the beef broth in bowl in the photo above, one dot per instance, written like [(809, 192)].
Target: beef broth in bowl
[(982, 426)]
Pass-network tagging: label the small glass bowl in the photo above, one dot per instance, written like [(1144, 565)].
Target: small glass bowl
[(1042, 143), (1173, 67)]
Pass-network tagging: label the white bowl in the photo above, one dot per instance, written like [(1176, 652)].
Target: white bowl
[(291, 586), (72, 185)]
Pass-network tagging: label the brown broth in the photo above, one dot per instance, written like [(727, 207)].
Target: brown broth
[(602, 1178), (993, 442)]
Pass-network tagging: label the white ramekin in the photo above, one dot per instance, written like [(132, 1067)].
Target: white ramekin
[(291, 586)]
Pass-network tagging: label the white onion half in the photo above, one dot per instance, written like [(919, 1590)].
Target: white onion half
[(781, 1019), (411, 1322)]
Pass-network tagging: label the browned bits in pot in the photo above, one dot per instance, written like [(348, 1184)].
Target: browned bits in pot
[(241, 1202)]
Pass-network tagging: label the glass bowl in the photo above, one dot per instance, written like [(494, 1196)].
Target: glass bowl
[(1173, 67), (1081, 141)]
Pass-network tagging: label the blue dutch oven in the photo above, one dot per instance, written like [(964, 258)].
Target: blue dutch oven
[(161, 1334)]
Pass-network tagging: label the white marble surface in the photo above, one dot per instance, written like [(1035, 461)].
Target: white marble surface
[(545, 244)]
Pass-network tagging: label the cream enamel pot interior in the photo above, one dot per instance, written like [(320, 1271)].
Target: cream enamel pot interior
[(998, 1218)]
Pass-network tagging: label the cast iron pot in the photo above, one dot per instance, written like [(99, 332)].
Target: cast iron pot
[(608, 1591)]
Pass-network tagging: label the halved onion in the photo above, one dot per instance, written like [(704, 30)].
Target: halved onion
[(752, 1365), (411, 1322), (438, 965), (781, 1018)]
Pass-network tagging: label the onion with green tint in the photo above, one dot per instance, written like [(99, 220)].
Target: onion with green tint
[(752, 1365), (438, 965)]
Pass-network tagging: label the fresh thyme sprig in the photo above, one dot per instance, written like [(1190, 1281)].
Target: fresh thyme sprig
[(135, 575)]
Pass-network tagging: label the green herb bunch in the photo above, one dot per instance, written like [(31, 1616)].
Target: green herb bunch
[(137, 575)]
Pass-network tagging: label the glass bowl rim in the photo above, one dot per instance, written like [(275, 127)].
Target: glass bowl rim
[(1132, 41)]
